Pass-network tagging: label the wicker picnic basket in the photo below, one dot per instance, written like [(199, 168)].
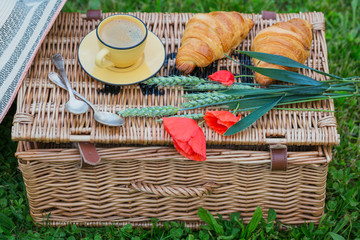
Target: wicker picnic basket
[(141, 176)]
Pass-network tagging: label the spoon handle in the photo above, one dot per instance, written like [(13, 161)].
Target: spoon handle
[(59, 64), (56, 79)]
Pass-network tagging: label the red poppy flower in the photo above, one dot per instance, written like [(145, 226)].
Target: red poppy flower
[(223, 76), (220, 121), (188, 138)]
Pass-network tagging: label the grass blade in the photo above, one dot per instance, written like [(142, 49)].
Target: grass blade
[(284, 61), (251, 118), (298, 90), (271, 215), (6, 222), (246, 102), (285, 76), (254, 222), (336, 236), (293, 99), (303, 109), (207, 217)]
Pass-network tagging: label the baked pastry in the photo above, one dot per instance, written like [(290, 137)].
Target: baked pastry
[(208, 36), (290, 39)]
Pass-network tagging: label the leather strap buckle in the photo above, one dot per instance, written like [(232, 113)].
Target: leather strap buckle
[(89, 155), (268, 15), (93, 15), (278, 154)]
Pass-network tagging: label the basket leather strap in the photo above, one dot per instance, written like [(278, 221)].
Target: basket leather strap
[(278, 154), (268, 15), (93, 15), (89, 155)]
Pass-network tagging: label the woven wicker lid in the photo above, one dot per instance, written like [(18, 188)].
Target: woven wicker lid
[(41, 115)]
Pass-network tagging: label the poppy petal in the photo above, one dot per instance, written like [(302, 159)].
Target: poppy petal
[(180, 128), (188, 152), (212, 122), (198, 144), (188, 138), (223, 76), (220, 121)]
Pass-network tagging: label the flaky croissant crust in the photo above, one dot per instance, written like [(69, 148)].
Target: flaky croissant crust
[(208, 36), (290, 39)]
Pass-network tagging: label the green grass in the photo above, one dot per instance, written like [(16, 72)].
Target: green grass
[(342, 201)]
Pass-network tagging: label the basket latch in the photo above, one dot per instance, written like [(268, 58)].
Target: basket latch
[(93, 15), (278, 154), (268, 15), (89, 155)]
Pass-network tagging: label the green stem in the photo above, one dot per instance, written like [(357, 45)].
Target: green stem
[(237, 107), (289, 109), (237, 76), (317, 99), (348, 80), (304, 109)]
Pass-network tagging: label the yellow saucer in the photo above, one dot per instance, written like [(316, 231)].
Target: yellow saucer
[(149, 65)]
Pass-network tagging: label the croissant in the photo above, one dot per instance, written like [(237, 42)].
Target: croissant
[(290, 39), (208, 36)]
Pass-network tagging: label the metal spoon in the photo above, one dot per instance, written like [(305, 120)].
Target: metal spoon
[(73, 105), (106, 118)]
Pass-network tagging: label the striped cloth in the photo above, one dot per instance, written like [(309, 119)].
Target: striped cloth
[(23, 26)]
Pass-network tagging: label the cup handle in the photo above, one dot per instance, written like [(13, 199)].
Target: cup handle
[(100, 59)]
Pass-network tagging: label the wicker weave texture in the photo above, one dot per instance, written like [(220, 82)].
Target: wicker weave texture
[(41, 115), (135, 184)]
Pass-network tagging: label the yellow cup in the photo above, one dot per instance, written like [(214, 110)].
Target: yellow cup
[(122, 51)]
